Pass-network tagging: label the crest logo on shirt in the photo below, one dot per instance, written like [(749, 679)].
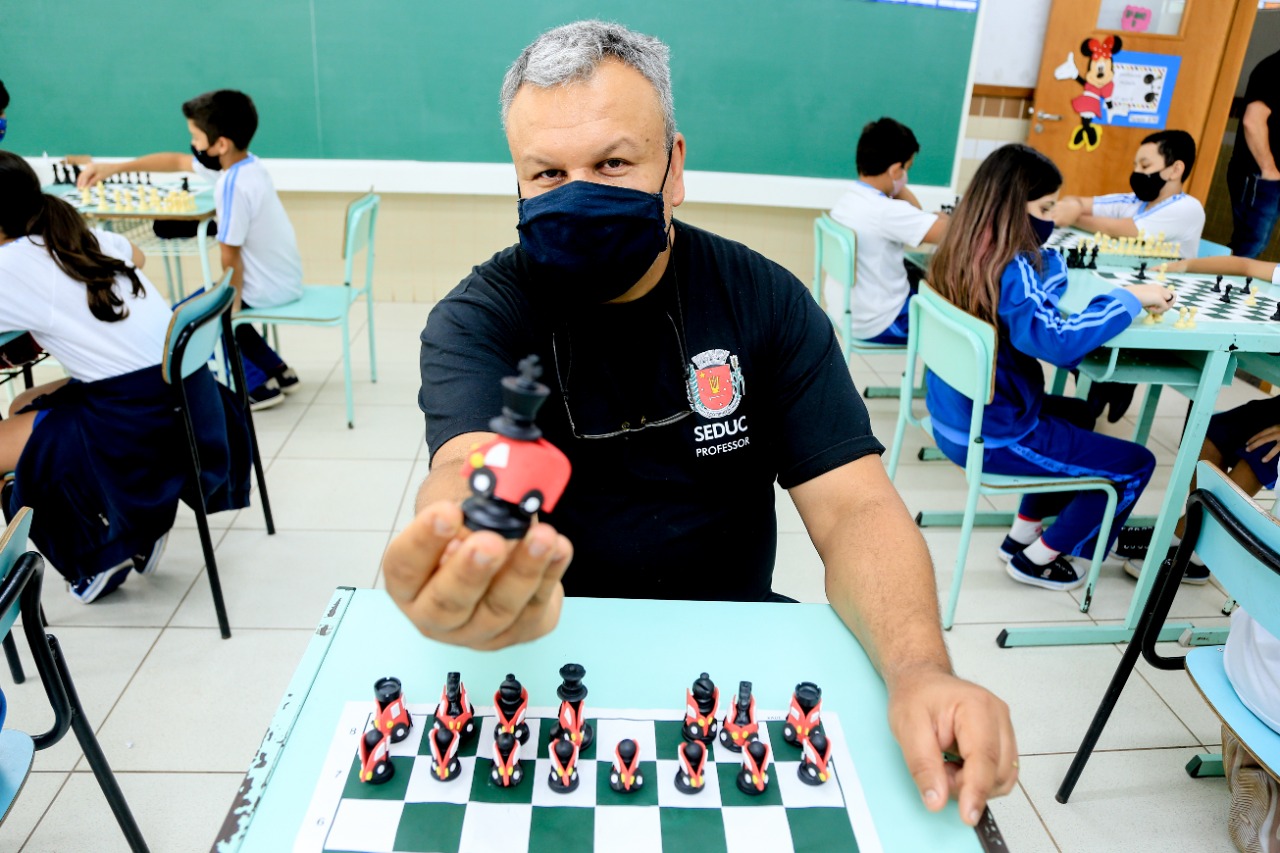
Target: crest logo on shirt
[(715, 385)]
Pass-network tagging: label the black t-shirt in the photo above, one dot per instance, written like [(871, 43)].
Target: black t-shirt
[(1264, 85), (684, 510)]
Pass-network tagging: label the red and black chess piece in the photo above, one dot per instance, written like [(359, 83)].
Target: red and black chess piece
[(701, 703), (393, 714), (805, 714), (740, 726), (753, 778), (625, 776), (691, 774), (571, 723), (510, 705)]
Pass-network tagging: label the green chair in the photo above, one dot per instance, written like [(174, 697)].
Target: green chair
[(1240, 542), (193, 334), (330, 305), (21, 573), (961, 350), (834, 253)]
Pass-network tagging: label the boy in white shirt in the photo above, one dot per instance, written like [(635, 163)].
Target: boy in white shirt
[(257, 240), (887, 218), (1157, 204)]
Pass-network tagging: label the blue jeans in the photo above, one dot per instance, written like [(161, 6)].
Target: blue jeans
[(261, 362), (1255, 206)]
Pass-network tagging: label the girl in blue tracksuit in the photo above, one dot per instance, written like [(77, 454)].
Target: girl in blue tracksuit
[(991, 264)]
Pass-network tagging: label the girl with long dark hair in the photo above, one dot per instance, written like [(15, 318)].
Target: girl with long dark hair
[(100, 457), (991, 264)]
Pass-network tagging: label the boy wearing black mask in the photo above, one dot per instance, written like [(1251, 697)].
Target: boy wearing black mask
[(1157, 204)]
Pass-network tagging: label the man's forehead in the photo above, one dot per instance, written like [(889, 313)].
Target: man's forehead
[(614, 97)]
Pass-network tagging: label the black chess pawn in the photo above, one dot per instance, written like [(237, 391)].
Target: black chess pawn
[(510, 702), (624, 775), (1226, 295), (805, 713), (563, 778), (700, 710), (186, 185), (507, 772), (691, 774), (815, 762), (376, 766), (1217, 285), (445, 765), (753, 778), (572, 692), (1276, 316), (1142, 271)]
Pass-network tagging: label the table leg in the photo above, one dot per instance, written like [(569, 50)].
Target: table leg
[(202, 238), (1175, 497)]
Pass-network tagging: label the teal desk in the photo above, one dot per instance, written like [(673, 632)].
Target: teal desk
[(136, 225), (1198, 362), (638, 654)]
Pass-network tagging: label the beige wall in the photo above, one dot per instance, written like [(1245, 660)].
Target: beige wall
[(427, 243)]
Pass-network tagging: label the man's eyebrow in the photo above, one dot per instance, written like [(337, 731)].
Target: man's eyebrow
[(622, 143)]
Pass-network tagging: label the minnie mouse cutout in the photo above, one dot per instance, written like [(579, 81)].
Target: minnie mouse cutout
[(1098, 80)]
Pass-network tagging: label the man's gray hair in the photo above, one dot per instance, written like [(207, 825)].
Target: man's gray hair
[(571, 53)]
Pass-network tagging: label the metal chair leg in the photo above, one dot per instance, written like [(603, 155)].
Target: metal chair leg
[(15, 662), (211, 568)]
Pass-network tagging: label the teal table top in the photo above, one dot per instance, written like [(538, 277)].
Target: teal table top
[(637, 654), (201, 195)]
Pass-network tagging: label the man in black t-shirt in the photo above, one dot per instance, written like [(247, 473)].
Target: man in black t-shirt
[(1253, 175), (687, 375)]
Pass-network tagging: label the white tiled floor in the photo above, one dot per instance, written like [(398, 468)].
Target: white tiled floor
[(180, 712)]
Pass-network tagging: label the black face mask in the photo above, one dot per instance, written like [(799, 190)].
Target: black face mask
[(204, 158), (590, 243), (1146, 185), (1042, 227)]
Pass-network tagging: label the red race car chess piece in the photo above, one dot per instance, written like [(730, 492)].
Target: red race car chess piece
[(693, 764), (393, 716), (519, 473), (564, 767), (740, 726), (815, 761), (753, 778), (445, 765), (700, 705), (510, 705), (455, 712), (805, 713), (375, 757), (571, 724), (625, 776), (507, 772)]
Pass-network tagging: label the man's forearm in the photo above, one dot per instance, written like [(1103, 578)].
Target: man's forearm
[(880, 581), (443, 483), (1257, 135)]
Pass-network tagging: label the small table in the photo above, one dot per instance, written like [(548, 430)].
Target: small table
[(637, 654), (136, 226)]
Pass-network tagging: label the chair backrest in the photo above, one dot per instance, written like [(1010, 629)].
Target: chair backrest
[(194, 329), (1250, 574), (835, 249), (958, 347), (362, 220), (13, 544)]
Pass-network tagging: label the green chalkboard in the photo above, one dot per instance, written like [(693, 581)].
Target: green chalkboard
[(777, 88)]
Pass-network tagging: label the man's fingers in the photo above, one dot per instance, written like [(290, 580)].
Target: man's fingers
[(449, 600), (415, 552), (978, 741), (516, 582), (923, 756)]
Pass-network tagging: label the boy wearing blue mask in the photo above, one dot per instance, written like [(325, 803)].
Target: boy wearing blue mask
[(1158, 203), (4, 105), (887, 218), (257, 239)]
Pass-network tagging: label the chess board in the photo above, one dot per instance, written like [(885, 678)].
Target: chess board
[(1197, 291), (414, 811), (1064, 239), (135, 198)]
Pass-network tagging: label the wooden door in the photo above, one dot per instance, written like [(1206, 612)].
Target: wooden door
[(1209, 39)]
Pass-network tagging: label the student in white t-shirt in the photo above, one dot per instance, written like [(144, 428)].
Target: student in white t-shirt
[(257, 239), (887, 218), (1158, 204)]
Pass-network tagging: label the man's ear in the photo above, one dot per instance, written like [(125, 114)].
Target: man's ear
[(1179, 169)]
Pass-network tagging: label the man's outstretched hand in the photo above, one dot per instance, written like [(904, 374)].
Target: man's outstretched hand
[(474, 588), (931, 711)]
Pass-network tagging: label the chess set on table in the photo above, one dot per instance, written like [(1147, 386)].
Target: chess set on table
[(1202, 297), (406, 777), (1082, 250), (127, 192)]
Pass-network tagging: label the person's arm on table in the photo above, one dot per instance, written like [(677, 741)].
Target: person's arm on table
[(164, 161), (1227, 265), (472, 588), (880, 581)]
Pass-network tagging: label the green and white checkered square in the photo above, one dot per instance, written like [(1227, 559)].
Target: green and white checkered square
[(415, 812), (1197, 292)]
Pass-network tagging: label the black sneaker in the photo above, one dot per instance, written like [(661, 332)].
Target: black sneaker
[(1009, 547), (265, 396), (287, 380), (1196, 573), (147, 563), (1133, 542), (1057, 574)]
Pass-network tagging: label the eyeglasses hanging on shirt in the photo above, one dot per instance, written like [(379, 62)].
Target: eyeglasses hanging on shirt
[(562, 355)]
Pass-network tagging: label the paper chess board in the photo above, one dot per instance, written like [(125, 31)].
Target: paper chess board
[(414, 811), (1197, 291)]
